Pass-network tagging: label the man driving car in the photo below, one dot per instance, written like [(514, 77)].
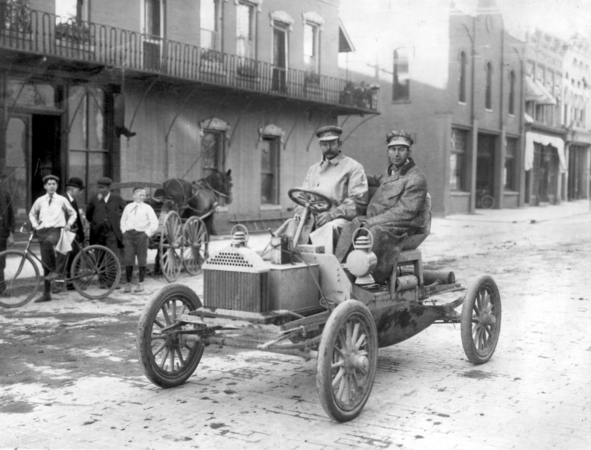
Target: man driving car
[(342, 180)]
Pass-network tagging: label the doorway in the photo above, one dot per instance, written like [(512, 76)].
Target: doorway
[(33, 143), (485, 165)]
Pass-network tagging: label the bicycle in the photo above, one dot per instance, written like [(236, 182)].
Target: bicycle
[(484, 200), (95, 273)]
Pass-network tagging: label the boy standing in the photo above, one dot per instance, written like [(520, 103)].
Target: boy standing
[(49, 215), (138, 223)]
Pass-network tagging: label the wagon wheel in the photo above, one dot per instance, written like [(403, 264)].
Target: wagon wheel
[(170, 246), (347, 360), (166, 359), (196, 245), (481, 319)]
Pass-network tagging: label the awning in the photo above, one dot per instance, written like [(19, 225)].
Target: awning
[(537, 92), (556, 142)]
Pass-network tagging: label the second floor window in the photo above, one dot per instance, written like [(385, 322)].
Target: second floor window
[(211, 16), (488, 92), (245, 30), (153, 19), (401, 82), (311, 47), (512, 93), (462, 81)]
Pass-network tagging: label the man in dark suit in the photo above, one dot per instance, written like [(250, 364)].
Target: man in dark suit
[(74, 188), (6, 227), (104, 212)]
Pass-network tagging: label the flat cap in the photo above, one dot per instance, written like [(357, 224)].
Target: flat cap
[(104, 181), (329, 133), (399, 137), (46, 178), (75, 182)]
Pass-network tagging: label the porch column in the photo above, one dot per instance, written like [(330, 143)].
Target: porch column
[(500, 169)]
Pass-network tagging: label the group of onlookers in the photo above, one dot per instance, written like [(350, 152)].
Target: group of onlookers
[(123, 228)]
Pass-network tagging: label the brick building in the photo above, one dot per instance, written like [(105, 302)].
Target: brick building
[(454, 80), (210, 84)]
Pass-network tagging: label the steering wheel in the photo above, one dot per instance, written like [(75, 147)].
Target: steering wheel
[(316, 202)]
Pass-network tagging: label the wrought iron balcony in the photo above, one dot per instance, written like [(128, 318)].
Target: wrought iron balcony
[(26, 30)]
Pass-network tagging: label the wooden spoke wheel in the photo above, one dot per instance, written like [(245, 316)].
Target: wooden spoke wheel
[(196, 245), (481, 319), (347, 360), (166, 358), (171, 246)]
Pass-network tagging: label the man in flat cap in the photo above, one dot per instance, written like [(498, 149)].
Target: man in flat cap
[(138, 223), (400, 207), (342, 180), (49, 215), (104, 212)]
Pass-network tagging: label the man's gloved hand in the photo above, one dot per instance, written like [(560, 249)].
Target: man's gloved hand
[(361, 221), (323, 218)]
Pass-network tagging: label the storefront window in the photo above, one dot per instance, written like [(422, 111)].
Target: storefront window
[(270, 171), (509, 172), (459, 146), (213, 151)]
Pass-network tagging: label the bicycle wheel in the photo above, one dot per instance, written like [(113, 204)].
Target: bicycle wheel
[(21, 279), (487, 202), (95, 272)]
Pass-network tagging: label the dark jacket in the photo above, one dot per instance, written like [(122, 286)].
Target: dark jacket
[(6, 215), (398, 209), (104, 217), (399, 198), (78, 224)]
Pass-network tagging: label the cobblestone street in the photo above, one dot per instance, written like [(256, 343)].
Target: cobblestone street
[(69, 376)]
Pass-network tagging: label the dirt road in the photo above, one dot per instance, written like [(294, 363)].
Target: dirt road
[(69, 376)]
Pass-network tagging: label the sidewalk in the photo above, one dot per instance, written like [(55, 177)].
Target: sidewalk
[(526, 214)]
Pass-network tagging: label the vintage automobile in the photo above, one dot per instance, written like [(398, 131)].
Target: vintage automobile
[(303, 302)]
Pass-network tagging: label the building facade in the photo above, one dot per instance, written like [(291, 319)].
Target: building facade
[(577, 116), (454, 82), (545, 150), (153, 89)]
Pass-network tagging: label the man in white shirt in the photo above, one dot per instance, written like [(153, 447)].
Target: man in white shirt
[(138, 223), (49, 215)]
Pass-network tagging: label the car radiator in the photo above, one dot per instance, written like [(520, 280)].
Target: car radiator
[(236, 278)]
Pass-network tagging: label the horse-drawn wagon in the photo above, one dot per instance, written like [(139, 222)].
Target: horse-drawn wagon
[(313, 307), (185, 213)]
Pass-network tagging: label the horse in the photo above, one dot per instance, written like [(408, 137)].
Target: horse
[(200, 198)]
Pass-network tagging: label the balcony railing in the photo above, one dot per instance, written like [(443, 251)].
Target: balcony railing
[(38, 32)]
